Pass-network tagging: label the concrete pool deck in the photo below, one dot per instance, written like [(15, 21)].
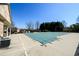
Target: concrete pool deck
[(22, 45)]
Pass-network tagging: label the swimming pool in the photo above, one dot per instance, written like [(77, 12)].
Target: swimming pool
[(45, 37)]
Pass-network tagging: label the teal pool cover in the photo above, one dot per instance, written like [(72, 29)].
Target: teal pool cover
[(45, 37)]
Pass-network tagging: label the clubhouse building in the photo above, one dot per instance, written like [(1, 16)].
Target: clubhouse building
[(5, 19)]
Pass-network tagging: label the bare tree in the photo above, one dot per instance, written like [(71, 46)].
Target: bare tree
[(64, 23), (12, 23), (37, 25), (77, 21), (29, 25)]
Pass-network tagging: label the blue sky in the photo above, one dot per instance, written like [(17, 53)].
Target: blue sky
[(43, 12)]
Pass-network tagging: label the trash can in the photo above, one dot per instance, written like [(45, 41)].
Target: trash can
[(4, 42)]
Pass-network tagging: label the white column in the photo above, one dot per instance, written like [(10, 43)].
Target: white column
[(10, 31), (1, 28), (7, 31)]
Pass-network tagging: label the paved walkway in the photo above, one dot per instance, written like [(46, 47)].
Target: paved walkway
[(20, 43)]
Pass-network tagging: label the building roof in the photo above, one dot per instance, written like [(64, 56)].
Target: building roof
[(5, 16)]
